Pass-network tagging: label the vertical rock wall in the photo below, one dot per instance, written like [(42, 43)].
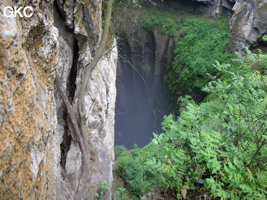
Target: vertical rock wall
[(144, 56), (37, 158), (247, 19), (248, 23)]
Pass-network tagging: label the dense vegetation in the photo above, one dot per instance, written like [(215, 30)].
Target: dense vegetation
[(218, 145), (199, 42)]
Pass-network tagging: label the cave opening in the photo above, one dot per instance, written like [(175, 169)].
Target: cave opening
[(139, 107)]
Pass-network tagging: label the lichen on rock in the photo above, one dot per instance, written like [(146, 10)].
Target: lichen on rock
[(31, 111)]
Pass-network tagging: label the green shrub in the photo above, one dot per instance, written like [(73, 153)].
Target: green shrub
[(167, 22), (133, 173), (221, 142), (227, 134), (119, 149), (104, 189), (201, 42)]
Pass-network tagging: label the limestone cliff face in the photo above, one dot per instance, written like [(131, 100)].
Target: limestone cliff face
[(38, 159), (248, 23), (247, 19), (148, 53)]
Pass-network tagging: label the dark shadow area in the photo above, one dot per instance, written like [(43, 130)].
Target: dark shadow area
[(68, 36), (187, 6), (138, 109)]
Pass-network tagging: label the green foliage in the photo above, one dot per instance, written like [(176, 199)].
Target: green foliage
[(220, 143), (227, 134), (121, 190), (104, 188), (166, 22), (201, 42), (133, 173), (153, 166), (135, 146), (120, 194), (119, 149), (264, 37), (169, 169)]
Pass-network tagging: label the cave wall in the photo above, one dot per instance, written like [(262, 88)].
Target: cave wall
[(143, 58), (248, 24), (35, 160), (247, 19)]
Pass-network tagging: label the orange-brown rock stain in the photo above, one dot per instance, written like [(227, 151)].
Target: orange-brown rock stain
[(24, 76)]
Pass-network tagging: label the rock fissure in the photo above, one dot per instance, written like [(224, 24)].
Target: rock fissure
[(37, 151), (70, 90)]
